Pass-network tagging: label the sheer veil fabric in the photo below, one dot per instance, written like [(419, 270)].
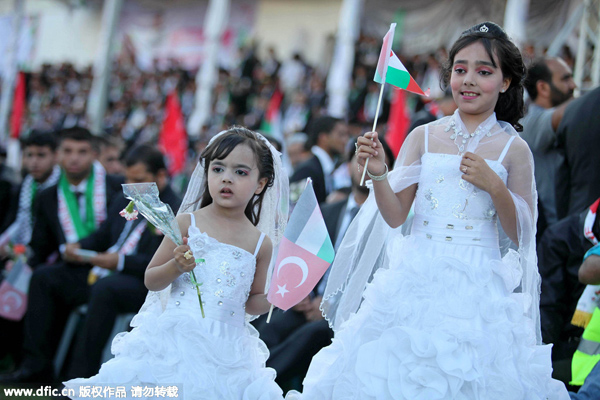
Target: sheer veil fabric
[(273, 216), (364, 248)]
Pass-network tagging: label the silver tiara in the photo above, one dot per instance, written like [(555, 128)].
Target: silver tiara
[(483, 28)]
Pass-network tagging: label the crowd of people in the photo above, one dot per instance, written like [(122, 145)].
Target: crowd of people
[(67, 196)]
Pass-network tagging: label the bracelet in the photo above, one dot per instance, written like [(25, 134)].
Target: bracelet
[(380, 177)]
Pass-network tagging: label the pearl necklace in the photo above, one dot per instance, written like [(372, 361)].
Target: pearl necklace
[(458, 133)]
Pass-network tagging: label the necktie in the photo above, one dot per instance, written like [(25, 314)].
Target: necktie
[(80, 206)]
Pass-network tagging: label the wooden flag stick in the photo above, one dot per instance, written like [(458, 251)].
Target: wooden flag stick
[(270, 312), (362, 180)]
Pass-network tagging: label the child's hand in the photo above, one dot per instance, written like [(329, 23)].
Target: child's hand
[(184, 259), (373, 150), (477, 171)]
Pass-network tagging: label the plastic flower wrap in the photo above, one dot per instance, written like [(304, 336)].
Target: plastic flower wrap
[(159, 214)]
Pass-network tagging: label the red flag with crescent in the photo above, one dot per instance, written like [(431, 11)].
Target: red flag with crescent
[(305, 253), (13, 291)]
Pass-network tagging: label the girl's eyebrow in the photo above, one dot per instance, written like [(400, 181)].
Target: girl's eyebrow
[(235, 166), (487, 63)]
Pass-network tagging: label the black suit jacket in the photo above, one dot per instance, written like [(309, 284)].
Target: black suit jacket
[(312, 168), (47, 233), (560, 255), (578, 135), (110, 230), (333, 214)]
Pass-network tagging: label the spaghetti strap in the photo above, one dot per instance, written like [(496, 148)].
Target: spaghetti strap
[(260, 240), (193, 219), (505, 150), (426, 138)]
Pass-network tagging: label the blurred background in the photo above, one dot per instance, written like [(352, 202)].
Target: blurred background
[(111, 65)]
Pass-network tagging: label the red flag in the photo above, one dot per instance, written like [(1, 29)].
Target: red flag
[(271, 123), (398, 122), (173, 137), (19, 105)]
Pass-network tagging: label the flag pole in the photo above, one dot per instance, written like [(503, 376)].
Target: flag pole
[(270, 312), (362, 180)]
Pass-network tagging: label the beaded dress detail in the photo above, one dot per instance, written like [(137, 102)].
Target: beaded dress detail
[(444, 320), (217, 357)]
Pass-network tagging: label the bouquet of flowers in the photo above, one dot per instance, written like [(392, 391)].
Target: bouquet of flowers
[(145, 197)]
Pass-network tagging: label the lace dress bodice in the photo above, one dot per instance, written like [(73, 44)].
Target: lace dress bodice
[(225, 274), (443, 193)]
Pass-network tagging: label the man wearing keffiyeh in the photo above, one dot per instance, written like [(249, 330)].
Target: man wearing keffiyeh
[(39, 160), (66, 212)]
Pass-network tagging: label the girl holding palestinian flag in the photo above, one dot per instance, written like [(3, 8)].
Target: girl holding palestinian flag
[(449, 310)]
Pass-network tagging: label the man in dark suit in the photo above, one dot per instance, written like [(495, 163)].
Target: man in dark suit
[(66, 212), (124, 250), (578, 136), (327, 140), (39, 160)]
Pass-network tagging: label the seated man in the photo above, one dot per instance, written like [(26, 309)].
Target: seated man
[(66, 212), (39, 161), (125, 248)]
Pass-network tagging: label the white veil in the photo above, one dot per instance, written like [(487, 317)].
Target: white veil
[(364, 247), (272, 222)]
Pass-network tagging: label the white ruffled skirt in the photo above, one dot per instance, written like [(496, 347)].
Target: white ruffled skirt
[(205, 357), (442, 323)]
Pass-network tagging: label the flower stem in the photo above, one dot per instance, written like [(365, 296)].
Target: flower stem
[(198, 291)]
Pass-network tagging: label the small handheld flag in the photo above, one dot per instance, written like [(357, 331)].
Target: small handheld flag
[(391, 70), (397, 75), (305, 253), (13, 291)]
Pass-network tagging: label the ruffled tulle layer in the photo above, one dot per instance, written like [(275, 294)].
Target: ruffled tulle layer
[(441, 324), (207, 358)]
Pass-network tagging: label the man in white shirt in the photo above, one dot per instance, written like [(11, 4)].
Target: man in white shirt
[(327, 140)]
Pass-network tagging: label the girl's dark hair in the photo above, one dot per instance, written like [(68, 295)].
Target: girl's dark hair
[(222, 146), (510, 104)]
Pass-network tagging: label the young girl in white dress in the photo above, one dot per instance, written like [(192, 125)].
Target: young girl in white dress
[(234, 212), (445, 307)]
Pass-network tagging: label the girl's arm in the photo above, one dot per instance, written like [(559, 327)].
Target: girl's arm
[(394, 207), (257, 303), (168, 262)]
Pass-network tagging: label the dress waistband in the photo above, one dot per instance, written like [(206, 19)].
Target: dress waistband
[(465, 232), (225, 310)]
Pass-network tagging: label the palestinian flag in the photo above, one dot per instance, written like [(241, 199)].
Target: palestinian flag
[(397, 75)]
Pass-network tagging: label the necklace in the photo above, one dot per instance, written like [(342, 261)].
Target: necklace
[(460, 138)]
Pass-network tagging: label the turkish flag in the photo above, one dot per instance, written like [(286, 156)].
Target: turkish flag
[(173, 140), (295, 274), (13, 291)]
